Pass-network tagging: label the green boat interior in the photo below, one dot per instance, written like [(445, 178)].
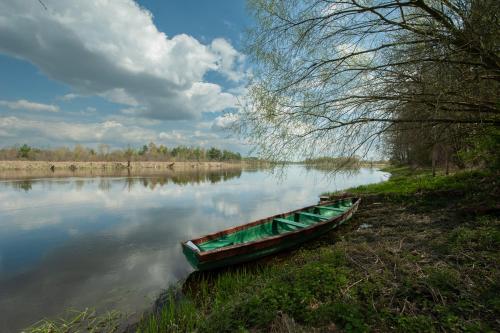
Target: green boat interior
[(278, 226)]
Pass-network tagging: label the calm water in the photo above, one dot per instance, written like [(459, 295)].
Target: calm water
[(113, 242)]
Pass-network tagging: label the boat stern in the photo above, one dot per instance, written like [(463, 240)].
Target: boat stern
[(191, 252)]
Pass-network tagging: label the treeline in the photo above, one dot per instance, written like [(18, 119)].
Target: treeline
[(149, 152), (334, 162), (418, 79), (447, 110), (341, 163)]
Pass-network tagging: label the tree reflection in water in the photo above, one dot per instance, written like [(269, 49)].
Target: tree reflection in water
[(147, 178)]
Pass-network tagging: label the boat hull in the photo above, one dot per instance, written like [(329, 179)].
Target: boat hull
[(257, 249)]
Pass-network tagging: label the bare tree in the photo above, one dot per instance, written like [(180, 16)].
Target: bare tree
[(336, 77)]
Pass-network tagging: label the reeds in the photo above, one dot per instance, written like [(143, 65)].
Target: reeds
[(79, 321)]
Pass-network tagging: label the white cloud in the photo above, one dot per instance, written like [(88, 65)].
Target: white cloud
[(23, 104), (173, 135), (114, 50), (225, 121), (230, 61), (69, 97), (210, 97), (108, 131), (119, 95)]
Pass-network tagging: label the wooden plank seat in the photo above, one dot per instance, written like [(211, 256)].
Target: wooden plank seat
[(321, 217), (331, 208), (295, 224)]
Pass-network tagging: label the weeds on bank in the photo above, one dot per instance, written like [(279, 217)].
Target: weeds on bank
[(405, 181), (79, 321)]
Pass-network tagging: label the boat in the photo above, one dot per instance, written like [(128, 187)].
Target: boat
[(267, 236)]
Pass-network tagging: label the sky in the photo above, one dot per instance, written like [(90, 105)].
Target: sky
[(121, 72)]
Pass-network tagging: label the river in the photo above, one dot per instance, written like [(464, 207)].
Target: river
[(114, 242)]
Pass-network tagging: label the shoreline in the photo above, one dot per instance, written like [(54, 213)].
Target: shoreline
[(120, 165), (418, 249), (171, 165), (13, 171)]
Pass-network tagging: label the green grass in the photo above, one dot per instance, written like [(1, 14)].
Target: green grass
[(405, 181), (79, 321)]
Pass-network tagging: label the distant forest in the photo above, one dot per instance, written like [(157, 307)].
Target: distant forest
[(331, 163), (150, 152)]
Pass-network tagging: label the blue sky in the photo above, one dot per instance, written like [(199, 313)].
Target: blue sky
[(121, 72)]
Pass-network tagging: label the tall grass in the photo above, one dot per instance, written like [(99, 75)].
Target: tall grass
[(205, 293), (79, 321), (405, 181)]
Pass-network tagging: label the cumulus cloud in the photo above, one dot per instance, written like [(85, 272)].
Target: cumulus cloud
[(230, 61), (225, 121), (107, 131), (114, 50), (23, 104), (116, 131), (69, 97)]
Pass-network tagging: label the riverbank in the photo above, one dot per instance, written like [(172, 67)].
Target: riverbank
[(25, 170), (420, 255), (110, 165)]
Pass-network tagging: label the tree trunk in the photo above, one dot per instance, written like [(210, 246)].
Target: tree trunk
[(434, 158), (446, 155)]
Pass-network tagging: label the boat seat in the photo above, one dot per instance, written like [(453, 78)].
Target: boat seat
[(296, 224), (331, 208), (321, 217)]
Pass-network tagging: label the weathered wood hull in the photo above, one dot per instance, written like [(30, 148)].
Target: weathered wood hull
[(239, 253)]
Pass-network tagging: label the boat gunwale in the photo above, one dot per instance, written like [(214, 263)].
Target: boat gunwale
[(206, 255)]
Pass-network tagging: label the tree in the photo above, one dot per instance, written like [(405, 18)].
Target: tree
[(80, 153), (338, 77), (214, 154), (144, 150), (24, 151), (103, 150), (128, 153)]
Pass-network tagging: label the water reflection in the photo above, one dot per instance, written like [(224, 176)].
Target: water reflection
[(113, 242), (179, 177)]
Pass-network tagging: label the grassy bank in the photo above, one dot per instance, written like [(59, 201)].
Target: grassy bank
[(421, 255)]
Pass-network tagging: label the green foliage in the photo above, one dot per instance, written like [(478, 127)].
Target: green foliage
[(128, 153), (479, 238), (484, 149), (143, 150), (214, 154), (24, 151), (405, 181), (174, 316), (414, 324), (330, 163), (149, 152)]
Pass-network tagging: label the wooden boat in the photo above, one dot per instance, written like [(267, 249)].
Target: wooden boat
[(267, 236)]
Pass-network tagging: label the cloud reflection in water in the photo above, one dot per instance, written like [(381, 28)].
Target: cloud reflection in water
[(113, 243)]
